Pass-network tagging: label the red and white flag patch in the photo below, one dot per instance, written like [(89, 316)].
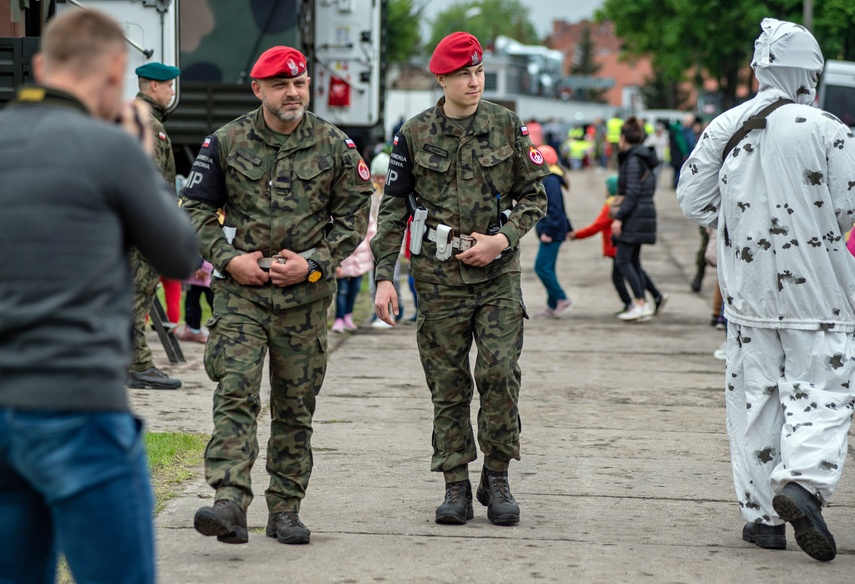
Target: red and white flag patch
[(395, 141), (350, 143), (535, 155), (363, 171), (206, 143), (523, 130), (162, 136)]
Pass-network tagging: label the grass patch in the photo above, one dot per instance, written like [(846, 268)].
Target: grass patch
[(173, 457)]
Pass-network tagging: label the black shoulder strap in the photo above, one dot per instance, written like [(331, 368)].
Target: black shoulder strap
[(755, 122)]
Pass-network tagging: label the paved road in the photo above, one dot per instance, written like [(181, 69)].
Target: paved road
[(624, 476)]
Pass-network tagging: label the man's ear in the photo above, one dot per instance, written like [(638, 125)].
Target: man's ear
[(256, 88)]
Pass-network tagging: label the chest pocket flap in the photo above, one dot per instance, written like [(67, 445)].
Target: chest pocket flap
[(432, 161), (496, 156), (309, 169), (246, 163)]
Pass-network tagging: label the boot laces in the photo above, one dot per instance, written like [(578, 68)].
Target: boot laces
[(501, 486), (456, 493), (291, 518)]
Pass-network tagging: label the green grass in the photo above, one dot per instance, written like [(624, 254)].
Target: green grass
[(173, 458)]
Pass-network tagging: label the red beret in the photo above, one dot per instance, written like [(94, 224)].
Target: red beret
[(279, 62), (457, 50)]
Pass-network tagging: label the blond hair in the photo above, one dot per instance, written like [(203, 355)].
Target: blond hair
[(77, 38)]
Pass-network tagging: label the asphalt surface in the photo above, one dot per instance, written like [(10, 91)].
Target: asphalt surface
[(624, 477)]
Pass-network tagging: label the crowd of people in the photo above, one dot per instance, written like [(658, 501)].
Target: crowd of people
[(306, 218)]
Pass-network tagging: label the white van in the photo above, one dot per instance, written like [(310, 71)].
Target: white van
[(836, 93)]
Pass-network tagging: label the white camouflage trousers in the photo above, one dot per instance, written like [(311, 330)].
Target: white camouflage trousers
[(790, 397)]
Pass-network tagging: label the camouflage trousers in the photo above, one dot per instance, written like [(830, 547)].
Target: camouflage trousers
[(790, 397), (145, 279), (241, 332), (450, 318)]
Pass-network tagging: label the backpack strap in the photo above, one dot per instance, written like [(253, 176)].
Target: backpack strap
[(755, 122)]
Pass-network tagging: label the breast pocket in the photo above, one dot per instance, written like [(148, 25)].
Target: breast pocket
[(244, 178), (313, 181), (432, 175), (497, 166)]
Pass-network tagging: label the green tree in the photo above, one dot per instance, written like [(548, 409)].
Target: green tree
[(485, 19), (403, 39), (585, 64), (660, 93), (715, 39)]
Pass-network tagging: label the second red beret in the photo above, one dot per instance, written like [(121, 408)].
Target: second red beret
[(457, 50)]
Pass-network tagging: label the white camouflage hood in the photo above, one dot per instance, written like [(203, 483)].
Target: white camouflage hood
[(787, 57)]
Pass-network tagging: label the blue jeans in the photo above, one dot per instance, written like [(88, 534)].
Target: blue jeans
[(74, 483), (345, 297), (544, 267)]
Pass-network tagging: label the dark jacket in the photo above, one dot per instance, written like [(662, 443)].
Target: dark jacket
[(555, 224), (75, 193), (638, 213)]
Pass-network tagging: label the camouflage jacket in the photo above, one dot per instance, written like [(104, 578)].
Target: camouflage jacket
[(313, 191), (163, 156), (457, 176)]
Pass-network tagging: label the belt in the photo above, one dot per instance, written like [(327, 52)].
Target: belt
[(264, 263), (463, 243)]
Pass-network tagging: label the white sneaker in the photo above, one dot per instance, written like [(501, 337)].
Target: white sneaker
[(721, 352), (381, 324), (637, 312)]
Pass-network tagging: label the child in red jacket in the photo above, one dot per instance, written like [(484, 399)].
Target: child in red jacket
[(603, 224)]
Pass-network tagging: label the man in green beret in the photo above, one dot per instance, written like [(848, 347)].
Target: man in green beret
[(157, 88)]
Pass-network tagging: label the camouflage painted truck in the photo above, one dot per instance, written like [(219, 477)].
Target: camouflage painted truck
[(215, 43)]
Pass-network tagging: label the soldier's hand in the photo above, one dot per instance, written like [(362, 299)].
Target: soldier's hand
[(293, 271), (244, 269), (136, 121), (385, 297), (486, 249)]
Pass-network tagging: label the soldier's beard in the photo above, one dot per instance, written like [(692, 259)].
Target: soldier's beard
[(287, 115)]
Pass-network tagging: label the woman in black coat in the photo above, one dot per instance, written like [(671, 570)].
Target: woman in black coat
[(635, 221)]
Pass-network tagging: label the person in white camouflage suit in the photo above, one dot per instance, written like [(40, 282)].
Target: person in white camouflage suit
[(782, 198)]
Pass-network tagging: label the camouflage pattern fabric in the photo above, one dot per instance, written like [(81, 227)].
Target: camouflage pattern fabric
[(310, 191), (307, 193), (458, 173), (145, 277), (240, 333), (163, 157), (449, 318)]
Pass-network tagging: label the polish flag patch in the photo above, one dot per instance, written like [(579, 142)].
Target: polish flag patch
[(350, 143), (363, 171), (162, 136), (523, 130), (535, 155), (206, 143), (395, 141)]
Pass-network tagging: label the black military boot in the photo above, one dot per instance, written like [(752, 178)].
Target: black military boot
[(770, 537), (225, 519), (152, 378), (286, 527), (494, 493), (457, 507), (798, 507)]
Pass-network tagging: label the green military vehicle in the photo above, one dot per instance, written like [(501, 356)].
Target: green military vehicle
[(215, 43)]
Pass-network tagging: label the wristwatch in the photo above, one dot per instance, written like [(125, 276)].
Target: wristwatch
[(314, 271)]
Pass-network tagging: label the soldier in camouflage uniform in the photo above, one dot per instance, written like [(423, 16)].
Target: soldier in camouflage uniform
[(156, 82), (467, 161), (296, 197)]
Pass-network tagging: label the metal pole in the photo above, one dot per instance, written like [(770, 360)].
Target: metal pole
[(147, 52), (807, 14)]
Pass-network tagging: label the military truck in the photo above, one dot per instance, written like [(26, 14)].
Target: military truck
[(215, 43)]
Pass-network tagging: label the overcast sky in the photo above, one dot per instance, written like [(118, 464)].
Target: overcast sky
[(541, 12)]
